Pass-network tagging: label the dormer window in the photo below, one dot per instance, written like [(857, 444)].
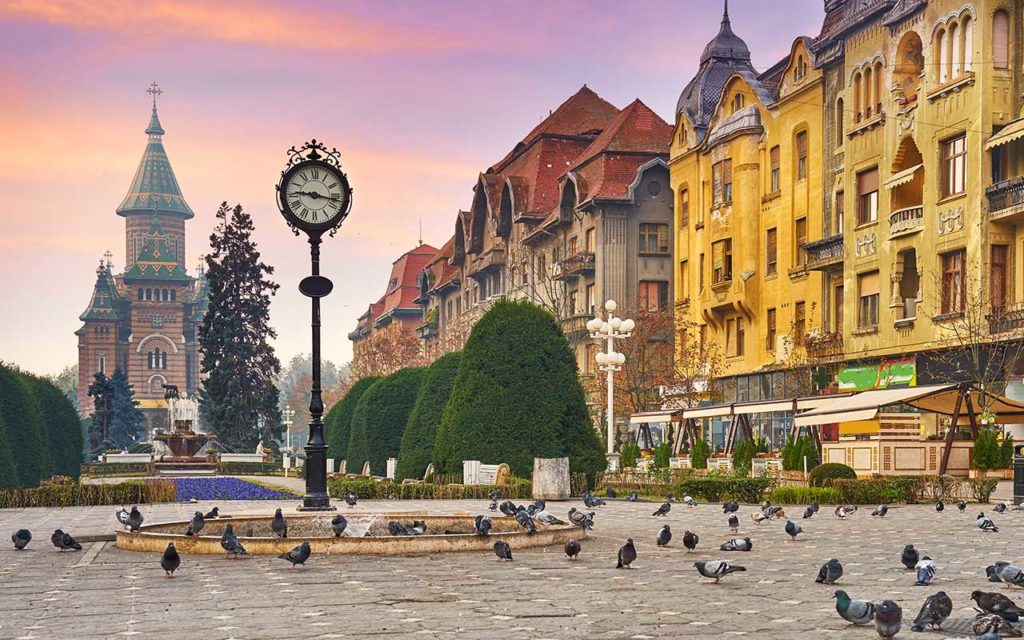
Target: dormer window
[(737, 102), (800, 69), (393, 284)]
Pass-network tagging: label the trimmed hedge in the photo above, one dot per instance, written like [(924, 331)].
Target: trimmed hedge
[(8, 472), (517, 396), (699, 454), (248, 468), (825, 474), (804, 495), (517, 489), (380, 417), (63, 427), (76, 494), (338, 423), (716, 488), (23, 417), (417, 447)]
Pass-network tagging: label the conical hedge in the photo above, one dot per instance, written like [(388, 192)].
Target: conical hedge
[(417, 448), (380, 418), (517, 396), (8, 472), (63, 427), (23, 417), (338, 423)]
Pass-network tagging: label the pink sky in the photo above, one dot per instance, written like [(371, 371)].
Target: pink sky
[(418, 96)]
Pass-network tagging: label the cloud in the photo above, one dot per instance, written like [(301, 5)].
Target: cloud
[(231, 21)]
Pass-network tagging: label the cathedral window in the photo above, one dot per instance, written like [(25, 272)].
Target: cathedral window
[(141, 293), (102, 364), (174, 295), (149, 294)]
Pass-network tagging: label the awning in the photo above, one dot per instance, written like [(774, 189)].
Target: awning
[(903, 177), (865, 405), (1006, 411), (653, 416), (765, 406), (1009, 133), (715, 411)]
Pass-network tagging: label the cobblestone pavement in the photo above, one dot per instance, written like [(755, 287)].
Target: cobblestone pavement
[(103, 592)]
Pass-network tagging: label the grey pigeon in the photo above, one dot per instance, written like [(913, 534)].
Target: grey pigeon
[(298, 555), (934, 611), (338, 525), (503, 551), (859, 612), (539, 505), (830, 572), (985, 524), (21, 538), (196, 525), (350, 499), (627, 555), (418, 528), (496, 494), (809, 513), (213, 514), (844, 510), (397, 529), (815, 505), (737, 544), (925, 571), (122, 516), (593, 501), (581, 519), (939, 506), (992, 570), (230, 543), (170, 561), (664, 536), (573, 548), (888, 619), (961, 505), (663, 509), (990, 624), (279, 525), (690, 540), (1010, 575), (493, 506), (482, 526), (880, 510), (1000, 507), (993, 602), (991, 635), (64, 541), (633, 497), (910, 556), (525, 521), (508, 508), (716, 569), (730, 507), (793, 529), (134, 519), (734, 523), (545, 517)]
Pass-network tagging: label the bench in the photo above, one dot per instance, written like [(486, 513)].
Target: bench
[(475, 472), (428, 475)]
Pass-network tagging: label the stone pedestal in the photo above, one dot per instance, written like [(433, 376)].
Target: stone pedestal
[(613, 462), (392, 465), (551, 479)]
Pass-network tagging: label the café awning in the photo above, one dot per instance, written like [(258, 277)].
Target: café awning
[(866, 404), (1009, 133), (647, 417)]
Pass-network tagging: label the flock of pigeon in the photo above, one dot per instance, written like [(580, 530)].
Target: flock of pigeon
[(997, 613)]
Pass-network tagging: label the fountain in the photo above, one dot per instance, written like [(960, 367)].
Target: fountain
[(183, 442)]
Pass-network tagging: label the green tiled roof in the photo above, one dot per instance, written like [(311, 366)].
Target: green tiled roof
[(156, 261), (103, 305), (154, 187)]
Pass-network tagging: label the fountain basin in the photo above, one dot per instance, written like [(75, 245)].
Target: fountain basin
[(255, 535)]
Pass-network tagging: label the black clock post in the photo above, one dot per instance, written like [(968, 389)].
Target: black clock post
[(314, 197)]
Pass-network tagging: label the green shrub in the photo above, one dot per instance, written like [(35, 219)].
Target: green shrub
[(793, 453), (338, 423), (63, 429), (823, 474), (662, 453), (517, 396), (8, 472), (248, 468), (699, 453), (878, 490), (380, 417), (75, 494), (417, 446), (628, 455), (982, 488), (23, 417), (987, 455), (516, 489), (742, 456), (804, 495), (714, 488), (1006, 452)]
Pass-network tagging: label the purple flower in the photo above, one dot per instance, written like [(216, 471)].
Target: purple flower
[(203, 489)]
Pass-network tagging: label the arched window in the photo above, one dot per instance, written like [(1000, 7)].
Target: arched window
[(141, 293), (940, 58), (856, 97), (879, 75), (967, 33), (174, 295), (684, 208), (839, 122), (163, 359), (1001, 40), (954, 51), (868, 101), (150, 360)]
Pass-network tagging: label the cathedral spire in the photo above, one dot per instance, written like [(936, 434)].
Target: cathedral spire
[(154, 128)]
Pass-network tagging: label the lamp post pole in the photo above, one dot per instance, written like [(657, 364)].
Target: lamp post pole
[(287, 414), (610, 330)]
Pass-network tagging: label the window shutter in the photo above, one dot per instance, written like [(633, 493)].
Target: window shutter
[(867, 182), (1000, 40), (869, 284)]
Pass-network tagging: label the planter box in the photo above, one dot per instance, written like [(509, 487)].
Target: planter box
[(998, 474)]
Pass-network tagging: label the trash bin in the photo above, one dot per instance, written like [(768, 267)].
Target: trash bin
[(1018, 474)]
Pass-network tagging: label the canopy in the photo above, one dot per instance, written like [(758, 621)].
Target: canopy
[(903, 177), (1006, 411), (1009, 133), (653, 416), (865, 405)]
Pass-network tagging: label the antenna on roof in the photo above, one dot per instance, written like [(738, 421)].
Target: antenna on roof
[(421, 228)]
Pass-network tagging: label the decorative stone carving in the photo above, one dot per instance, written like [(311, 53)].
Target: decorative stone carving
[(866, 245), (951, 220)]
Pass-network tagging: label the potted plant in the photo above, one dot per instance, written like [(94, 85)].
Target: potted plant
[(990, 458)]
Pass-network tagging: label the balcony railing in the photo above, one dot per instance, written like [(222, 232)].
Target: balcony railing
[(427, 330), (824, 253), (1008, 318), (577, 264), (575, 326), (906, 221), (1006, 197), (824, 347)]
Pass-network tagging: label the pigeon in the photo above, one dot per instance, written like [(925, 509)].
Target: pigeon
[(482, 526), (493, 506), (734, 523), (934, 611), (664, 536), (525, 521), (888, 619), (545, 517), (992, 570), (539, 505), (773, 512), (170, 560), (986, 524), (1000, 507), (503, 551), (196, 525), (815, 505), (350, 499), (809, 513), (880, 510), (1010, 575), (766, 505), (759, 517), (842, 511), (994, 602), (593, 501), (279, 525), (418, 528), (939, 506), (716, 569), (508, 508), (580, 519), (961, 505), (1017, 507), (213, 514), (663, 509), (338, 524), (397, 529), (730, 507), (688, 501), (610, 493), (925, 571), (231, 545), (793, 529), (910, 556), (495, 494), (627, 555), (21, 538), (991, 625), (122, 516), (859, 612), (690, 540), (573, 548), (671, 497), (64, 541), (134, 519), (830, 572), (737, 544), (298, 555)]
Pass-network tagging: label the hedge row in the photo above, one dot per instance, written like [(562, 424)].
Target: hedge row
[(95, 469), (710, 488), (387, 490), (248, 468), (76, 494), (804, 495)]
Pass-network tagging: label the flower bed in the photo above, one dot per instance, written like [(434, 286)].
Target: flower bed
[(226, 489)]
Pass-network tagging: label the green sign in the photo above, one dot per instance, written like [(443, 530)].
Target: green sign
[(884, 375)]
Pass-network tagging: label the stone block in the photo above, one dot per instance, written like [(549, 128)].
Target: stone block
[(551, 479)]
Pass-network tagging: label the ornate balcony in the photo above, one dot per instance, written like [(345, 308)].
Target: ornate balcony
[(824, 347), (825, 253), (578, 264), (906, 221), (575, 326), (493, 259), (1006, 199), (427, 330), (1009, 318)]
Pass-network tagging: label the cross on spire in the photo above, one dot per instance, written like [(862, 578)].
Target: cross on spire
[(107, 256), (154, 90)]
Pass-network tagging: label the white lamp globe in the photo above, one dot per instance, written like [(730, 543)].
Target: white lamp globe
[(627, 325), (601, 357), (594, 325), (604, 327), (620, 358), (616, 323), (610, 306)]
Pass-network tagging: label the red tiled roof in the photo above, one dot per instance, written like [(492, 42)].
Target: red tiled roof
[(405, 275), (444, 272)]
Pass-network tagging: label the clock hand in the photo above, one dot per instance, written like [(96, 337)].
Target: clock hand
[(311, 194)]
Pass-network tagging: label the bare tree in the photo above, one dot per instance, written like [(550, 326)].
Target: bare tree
[(386, 351)]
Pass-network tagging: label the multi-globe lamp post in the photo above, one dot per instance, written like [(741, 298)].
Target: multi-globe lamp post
[(609, 330), (286, 417)]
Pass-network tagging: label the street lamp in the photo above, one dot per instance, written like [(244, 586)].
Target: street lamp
[(287, 416), (610, 330)]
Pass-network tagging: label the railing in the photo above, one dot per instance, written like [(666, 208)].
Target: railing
[(578, 263), (575, 326), (495, 257), (1007, 318), (1005, 194), (427, 330), (907, 220), (827, 346), (825, 252)]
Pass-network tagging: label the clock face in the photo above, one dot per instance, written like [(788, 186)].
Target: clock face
[(314, 195)]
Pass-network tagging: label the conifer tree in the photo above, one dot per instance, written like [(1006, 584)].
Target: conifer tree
[(63, 427), (23, 417), (239, 401), (127, 422), (101, 390)]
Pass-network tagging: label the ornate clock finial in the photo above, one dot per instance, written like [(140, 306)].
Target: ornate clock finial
[(154, 90)]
